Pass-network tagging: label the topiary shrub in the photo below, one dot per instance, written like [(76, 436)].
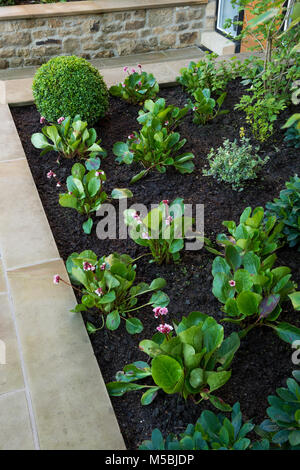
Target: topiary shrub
[(67, 86)]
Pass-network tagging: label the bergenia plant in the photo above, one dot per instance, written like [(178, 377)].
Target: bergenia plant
[(70, 138), (162, 230), (155, 147), (157, 113), (137, 87), (206, 108), (252, 291), (84, 192), (193, 363), (108, 284)]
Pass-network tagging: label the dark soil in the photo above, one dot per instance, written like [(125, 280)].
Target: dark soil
[(263, 362)]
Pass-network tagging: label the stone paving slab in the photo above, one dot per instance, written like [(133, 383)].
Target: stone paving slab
[(81, 8), (25, 235), (69, 397), (11, 376), (10, 147), (15, 429), (3, 287)]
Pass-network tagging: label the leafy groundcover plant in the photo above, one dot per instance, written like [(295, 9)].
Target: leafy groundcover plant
[(234, 163), (194, 363), (70, 138), (155, 147), (206, 108), (85, 192), (157, 112), (283, 426), (286, 209), (251, 289), (107, 284), (257, 232), (162, 230), (137, 86), (211, 432)]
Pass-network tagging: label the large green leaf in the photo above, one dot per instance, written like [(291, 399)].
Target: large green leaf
[(288, 333), (167, 373), (248, 302)]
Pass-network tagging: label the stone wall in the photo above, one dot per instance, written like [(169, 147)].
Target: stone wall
[(31, 42)]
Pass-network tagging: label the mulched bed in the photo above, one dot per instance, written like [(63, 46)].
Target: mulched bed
[(263, 362)]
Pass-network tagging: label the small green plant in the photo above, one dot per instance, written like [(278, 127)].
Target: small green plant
[(137, 86), (70, 138), (261, 112), (256, 232), (206, 108), (286, 209), (194, 363), (283, 427), (108, 284), (70, 86), (211, 432), (234, 163), (162, 230), (5, 3), (155, 147), (85, 192), (292, 135), (157, 113), (251, 288)]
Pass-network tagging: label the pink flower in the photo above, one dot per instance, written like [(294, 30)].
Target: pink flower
[(98, 173), (123, 85), (159, 311), (166, 123), (42, 120), (169, 220), (139, 66), (60, 120), (103, 266), (231, 283), (145, 236), (51, 174), (70, 192), (194, 108), (56, 279), (58, 184), (125, 69), (99, 291), (164, 328), (88, 266), (166, 201), (133, 70), (131, 136), (140, 83)]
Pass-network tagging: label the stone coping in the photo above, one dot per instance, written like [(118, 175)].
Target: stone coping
[(16, 12)]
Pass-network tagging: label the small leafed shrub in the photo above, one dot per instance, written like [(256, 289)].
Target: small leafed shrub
[(137, 86), (85, 192), (286, 209), (283, 427), (155, 147), (234, 163), (206, 108), (70, 138), (292, 136), (194, 363), (108, 285), (211, 432), (68, 86), (157, 113), (162, 230)]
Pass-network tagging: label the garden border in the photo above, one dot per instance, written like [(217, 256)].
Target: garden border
[(53, 385)]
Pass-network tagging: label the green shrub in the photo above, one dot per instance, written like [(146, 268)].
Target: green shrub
[(287, 210), (234, 163), (5, 3), (67, 86)]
